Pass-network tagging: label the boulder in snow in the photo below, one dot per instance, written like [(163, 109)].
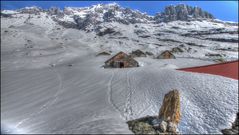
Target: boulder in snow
[(170, 110)]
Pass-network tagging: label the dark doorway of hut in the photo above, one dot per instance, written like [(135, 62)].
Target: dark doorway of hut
[(121, 64)]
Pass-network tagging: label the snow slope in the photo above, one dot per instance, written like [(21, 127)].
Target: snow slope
[(86, 98)]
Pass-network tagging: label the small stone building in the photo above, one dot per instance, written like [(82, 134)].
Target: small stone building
[(166, 55), (138, 53), (121, 60)]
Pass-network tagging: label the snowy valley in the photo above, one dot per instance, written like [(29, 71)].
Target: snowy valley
[(52, 80)]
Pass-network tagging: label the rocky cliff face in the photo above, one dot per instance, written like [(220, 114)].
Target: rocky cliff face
[(31, 10), (88, 18), (183, 13)]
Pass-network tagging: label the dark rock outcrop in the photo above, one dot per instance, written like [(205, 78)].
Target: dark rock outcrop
[(176, 50), (150, 125), (182, 12), (55, 11), (89, 22), (106, 31), (31, 10), (234, 129)]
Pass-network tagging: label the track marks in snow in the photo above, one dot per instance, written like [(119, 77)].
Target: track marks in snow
[(110, 88), (47, 104), (128, 110)]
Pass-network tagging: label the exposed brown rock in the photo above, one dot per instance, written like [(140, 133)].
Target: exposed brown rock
[(170, 110)]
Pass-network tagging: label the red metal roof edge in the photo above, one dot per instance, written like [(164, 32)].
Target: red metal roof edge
[(210, 65)]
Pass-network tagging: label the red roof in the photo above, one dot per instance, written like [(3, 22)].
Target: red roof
[(227, 69)]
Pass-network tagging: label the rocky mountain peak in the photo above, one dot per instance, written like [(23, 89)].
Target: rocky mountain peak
[(182, 12), (89, 18), (30, 10)]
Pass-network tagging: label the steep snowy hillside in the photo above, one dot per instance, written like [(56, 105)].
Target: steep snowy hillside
[(53, 82)]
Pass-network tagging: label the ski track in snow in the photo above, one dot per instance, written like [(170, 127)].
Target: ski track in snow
[(110, 89), (128, 106), (127, 111), (47, 104)]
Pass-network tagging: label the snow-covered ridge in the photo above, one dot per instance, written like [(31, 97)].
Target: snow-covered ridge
[(88, 18), (168, 15), (9, 12)]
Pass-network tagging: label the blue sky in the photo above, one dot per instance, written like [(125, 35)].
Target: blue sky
[(224, 10)]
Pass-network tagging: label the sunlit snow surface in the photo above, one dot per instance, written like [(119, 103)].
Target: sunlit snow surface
[(40, 93), (85, 98)]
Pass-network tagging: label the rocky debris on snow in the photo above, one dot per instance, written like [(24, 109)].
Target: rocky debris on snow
[(193, 44), (234, 129), (176, 50), (165, 123), (149, 53), (103, 53), (145, 36), (213, 55), (196, 33), (235, 49), (143, 125), (106, 31), (232, 40), (139, 31), (151, 125), (168, 40), (220, 60)]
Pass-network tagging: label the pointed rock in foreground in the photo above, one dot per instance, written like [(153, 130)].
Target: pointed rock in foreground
[(170, 111)]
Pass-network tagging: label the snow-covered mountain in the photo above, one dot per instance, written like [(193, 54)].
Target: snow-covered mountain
[(53, 82), (187, 26), (113, 28)]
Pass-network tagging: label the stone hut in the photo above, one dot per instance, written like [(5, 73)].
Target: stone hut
[(138, 53), (166, 55), (121, 60)]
